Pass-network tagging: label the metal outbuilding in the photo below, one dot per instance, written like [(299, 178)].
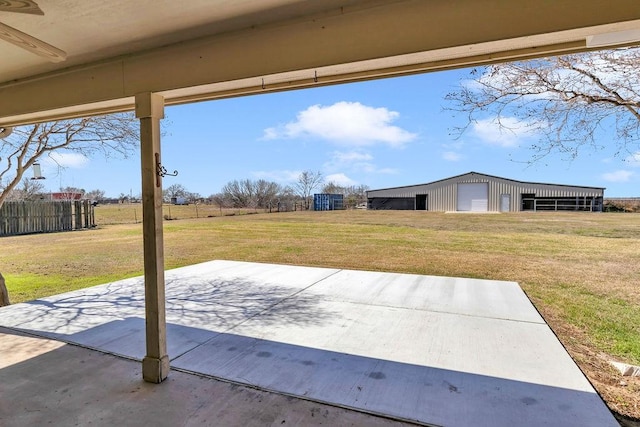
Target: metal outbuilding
[(477, 192), (328, 202)]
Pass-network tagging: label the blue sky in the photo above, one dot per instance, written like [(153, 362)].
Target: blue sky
[(380, 133)]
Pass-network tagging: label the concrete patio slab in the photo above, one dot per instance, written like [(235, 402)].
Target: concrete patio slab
[(212, 297), (472, 297), (410, 364), (432, 350), (47, 382)]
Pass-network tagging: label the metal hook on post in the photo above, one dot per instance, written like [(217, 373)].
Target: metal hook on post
[(263, 84), (161, 171), (315, 76)]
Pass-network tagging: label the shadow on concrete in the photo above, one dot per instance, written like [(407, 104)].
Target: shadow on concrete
[(268, 333), (68, 385), (402, 391), (405, 391), (211, 305)]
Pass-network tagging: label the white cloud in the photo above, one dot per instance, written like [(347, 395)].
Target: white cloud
[(358, 161), (472, 84), (351, 156), (345, 123), (389, 171), (385, 171), (372, 168), (618, 176), (340, 179), (634, 159), (278, 175), (454, 145), (270, 133), (348, 159), (67, 160), (505, 132), (451, 156)]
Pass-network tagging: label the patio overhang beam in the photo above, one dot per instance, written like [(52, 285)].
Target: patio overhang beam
[(372, 40)]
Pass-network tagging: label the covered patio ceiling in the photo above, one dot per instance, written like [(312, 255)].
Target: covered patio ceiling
[(207, 49)]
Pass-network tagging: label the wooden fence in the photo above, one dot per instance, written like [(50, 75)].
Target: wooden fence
[(45, 217)]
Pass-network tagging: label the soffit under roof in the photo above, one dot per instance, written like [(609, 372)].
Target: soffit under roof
[(206, 49), (93, 30)]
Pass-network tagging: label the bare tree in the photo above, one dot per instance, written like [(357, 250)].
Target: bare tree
[(307, 182), (287, 199), (25, 145), (193, 197), (220, 200), (4, 294), (249, 194), (266, 193), (566, 101), (174, 190), (353, 194), (95, 196), (356, 195), (333, 188), (29, 189), (240, 194)]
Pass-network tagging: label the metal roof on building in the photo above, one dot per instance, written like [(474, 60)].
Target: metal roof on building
[(488, 176)]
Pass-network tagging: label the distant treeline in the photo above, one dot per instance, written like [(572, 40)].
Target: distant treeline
[(628, 204)]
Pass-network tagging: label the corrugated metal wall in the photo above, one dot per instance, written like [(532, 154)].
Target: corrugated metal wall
[(442, 195), (328, 202)]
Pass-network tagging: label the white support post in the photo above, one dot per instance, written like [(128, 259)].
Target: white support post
[(150, 110)]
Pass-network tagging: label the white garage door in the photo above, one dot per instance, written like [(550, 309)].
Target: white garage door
[(473, 197)]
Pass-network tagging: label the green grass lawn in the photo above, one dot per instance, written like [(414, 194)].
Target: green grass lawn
[(581, 270)]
